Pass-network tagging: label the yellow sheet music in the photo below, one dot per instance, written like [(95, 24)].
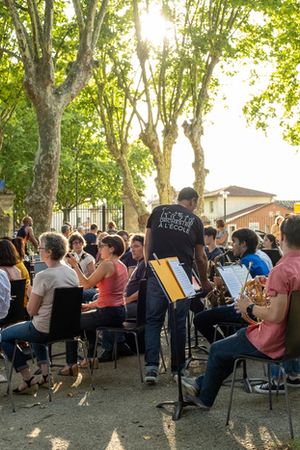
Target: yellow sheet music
[(167, 278)]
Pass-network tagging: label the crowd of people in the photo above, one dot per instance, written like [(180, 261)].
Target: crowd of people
[(110, 264)]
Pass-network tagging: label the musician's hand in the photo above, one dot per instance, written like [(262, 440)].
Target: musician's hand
[(71, 260), (85, 307), (261, 279), (206, 286), (242, 303), (218, 281)]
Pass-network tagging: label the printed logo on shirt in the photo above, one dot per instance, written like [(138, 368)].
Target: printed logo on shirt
[(175, 221)]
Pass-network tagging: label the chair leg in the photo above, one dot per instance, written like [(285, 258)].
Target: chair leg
[(269, 381), (287, 402), (48, 372), (115, 351), (231, 390), (89, 366), (138, 354), (8, 381)]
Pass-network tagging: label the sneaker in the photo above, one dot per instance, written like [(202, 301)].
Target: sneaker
[(124, 349), (105, 356), (292, 383), (196, 400), (264, 388), (3, 379), (184, 373), (151, 376), (189, 385)]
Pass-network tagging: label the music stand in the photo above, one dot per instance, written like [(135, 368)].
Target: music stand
[(171, 287)]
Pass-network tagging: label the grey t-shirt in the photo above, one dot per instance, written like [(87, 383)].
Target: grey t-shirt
[(44, 284)]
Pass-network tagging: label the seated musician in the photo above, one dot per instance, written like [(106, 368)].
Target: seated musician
[(109, 309), (244, 244), (130, 296), (211, 250), (266, 339)]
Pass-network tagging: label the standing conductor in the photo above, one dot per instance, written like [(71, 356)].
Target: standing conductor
[(172, 230)]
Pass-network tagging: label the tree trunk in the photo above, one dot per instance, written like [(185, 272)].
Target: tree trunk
[(41, 195), (170, 134), (150, 139), (66, 213), (193, 131), (131, 192)]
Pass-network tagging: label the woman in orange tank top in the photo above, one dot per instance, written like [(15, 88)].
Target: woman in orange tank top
[(109, 309)]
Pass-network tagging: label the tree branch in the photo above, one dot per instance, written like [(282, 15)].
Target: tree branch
[(22, 36), (14, 55), (79, 17), (98, 23), (48, 28), (36, 27)]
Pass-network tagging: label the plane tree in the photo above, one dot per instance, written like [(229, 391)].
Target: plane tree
[(42, 31)]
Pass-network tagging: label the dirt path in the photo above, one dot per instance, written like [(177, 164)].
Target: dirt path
[(121, 414)]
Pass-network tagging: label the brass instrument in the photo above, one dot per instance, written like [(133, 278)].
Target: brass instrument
[(217, 296), (255, 290)]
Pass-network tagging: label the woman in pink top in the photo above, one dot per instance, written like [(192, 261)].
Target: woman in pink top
[(109, 309)]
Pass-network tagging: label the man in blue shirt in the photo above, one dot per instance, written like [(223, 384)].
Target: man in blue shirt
[(244, 245)]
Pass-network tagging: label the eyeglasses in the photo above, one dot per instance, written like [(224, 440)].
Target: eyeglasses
[(103, 245), (77, 242), (40, 248)]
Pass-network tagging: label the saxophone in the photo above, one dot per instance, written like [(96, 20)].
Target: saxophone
[(217, 295)]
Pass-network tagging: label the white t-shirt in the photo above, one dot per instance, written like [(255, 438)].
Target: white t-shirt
[(44, 284), (4, 294)]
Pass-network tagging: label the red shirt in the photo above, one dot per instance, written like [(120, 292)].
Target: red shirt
[(111, 289), (284, 278)]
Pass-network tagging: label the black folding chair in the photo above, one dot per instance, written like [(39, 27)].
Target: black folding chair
[(130, 326), (64, 324), (292, 351), (16, 311)]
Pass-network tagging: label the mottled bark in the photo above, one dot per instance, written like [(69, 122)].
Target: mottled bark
[(150, 138), (131, 192), (170, 134), (193, 131), (114, 134), (36, 49), (41, 196)]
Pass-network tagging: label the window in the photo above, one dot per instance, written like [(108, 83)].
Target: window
[(254, 226), (267, 229), (211, 207)]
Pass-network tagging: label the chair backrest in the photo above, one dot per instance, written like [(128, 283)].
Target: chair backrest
[(16, 311), (39, 266), (141, 303), (65, 315), (292, 337), (91, 249)]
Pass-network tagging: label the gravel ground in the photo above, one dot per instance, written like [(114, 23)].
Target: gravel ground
[(121, 414)]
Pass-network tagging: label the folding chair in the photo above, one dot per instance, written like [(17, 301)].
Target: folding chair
[(64, 324), (292, 351), (130, 326)]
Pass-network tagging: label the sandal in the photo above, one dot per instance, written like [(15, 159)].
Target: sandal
[(29, 389), (44, 381), (70, 370), (83, 364)]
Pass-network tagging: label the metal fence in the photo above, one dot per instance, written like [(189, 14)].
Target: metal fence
[(84, 217)]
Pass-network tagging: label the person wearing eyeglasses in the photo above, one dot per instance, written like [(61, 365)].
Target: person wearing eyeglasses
[(52, 248), (130, 296), (110, 277), (84, 259)]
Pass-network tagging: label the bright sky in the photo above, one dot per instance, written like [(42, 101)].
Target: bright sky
[(236, 154)]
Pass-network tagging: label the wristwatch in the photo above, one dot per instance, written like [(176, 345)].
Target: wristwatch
[(250, 308)]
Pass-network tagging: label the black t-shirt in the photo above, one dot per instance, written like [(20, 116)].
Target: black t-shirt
[(133, 284), (128, 260), (90, 238), (175, 231)]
